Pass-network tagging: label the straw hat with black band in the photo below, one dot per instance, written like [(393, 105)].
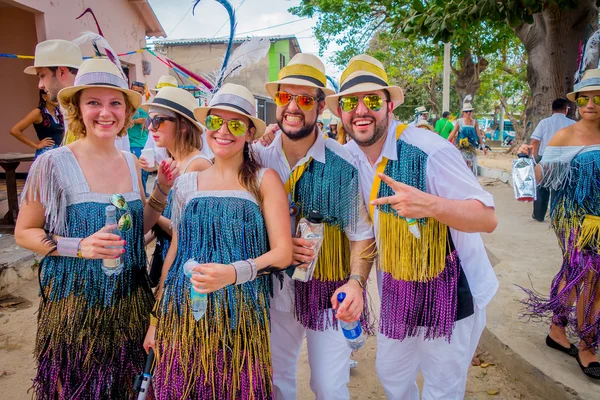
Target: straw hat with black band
[(55, 53), (237, 99), (302, 70), (95, 73), (590, 82), (467, 107), (173, 99), (364, 74), (165, 81)]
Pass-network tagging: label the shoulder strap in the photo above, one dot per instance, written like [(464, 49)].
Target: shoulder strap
[(197, 156), (261, 174), (132, 171)]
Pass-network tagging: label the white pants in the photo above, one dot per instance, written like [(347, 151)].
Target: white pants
[(444, 365), (328, 357)]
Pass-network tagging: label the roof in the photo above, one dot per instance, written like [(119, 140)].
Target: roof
[(153, 26), (187, 42)]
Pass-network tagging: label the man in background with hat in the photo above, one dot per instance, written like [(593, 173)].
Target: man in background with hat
[(319, 175), (434, 276), (56, 63)]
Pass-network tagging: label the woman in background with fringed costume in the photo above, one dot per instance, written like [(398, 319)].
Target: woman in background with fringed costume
[(571, 168), (91, 324), (231, 218), (466, 135), (172, 125)]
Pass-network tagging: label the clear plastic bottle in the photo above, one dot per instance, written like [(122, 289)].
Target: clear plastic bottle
[(352, 330), (312, 229), (198, 301), (112, 266)]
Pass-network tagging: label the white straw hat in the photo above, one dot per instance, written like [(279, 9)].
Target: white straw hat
[(177, 100), (467, 107), (99, 72), (165, 81), (237, 99), (302, 70), (589, 83), (55, 53), (364, 74)]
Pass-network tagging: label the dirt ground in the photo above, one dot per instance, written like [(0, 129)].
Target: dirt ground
[(497, 159), (17, 368)]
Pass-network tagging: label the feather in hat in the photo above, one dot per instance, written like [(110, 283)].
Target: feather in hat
[(249, 52), (588, 53), (334, 84), (100, 44)]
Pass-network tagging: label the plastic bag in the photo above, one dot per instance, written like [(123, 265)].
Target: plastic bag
[(523, 174)]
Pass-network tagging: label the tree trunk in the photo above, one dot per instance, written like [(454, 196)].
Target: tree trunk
[(467, 77), (552, 45)]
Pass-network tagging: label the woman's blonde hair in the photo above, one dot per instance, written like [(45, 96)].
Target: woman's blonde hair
[(188, 136), (72, 114)]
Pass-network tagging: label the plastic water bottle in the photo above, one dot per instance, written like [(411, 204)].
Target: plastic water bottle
[(112, 266), (352, 330), (311, 229), (198, 301)]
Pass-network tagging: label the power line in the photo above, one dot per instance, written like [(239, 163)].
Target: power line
[(182, 18), (269, 27)]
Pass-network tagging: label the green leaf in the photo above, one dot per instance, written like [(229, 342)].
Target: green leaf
[(418, 6)]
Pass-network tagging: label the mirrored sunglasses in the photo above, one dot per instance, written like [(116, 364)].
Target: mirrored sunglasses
[(125, 221), (304, 101), (236, 127), (373, 102), (583, 101)]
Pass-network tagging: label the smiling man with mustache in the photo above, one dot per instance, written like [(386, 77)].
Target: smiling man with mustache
[(320, 175)]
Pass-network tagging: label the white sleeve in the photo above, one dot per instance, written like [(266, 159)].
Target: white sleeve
[(538, 133), (449, 177)]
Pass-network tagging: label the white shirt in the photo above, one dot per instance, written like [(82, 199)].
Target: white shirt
[(547, 127), (273, 157), (122, 143), (449, 177)]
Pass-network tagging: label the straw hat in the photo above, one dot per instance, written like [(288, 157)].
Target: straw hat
[(99, 72), (302, 70), (424, 124), (589, 83), (237, 99), (422, 110), (165, 81), (467, 107), (364, 74), (174, 99), (55, 53)]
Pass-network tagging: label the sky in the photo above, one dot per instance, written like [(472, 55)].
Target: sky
[(253, 16)]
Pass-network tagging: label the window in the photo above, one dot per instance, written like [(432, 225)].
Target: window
[(281, 61)]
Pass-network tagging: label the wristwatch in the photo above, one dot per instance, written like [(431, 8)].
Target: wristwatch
[(361, 281)]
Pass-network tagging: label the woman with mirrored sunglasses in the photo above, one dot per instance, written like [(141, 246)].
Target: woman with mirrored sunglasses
[(571, 168), (232, 220), (93, 315), (172, 126)]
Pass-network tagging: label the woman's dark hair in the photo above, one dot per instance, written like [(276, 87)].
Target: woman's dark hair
[(188, 136), (41, 101), (249, 170)]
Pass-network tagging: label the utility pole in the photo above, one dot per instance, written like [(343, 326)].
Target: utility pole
[(446, 88)]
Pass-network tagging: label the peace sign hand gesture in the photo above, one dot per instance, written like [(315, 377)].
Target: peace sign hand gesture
[(408, 201)]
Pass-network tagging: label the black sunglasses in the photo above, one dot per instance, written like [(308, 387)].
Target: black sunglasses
[(156, 121)]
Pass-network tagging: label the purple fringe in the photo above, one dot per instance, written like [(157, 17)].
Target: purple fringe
[(170, 382), (312, 303), (579, 275), (409, 308)]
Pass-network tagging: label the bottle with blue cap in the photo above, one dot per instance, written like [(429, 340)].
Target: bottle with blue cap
[(198, 301), (352, 330)]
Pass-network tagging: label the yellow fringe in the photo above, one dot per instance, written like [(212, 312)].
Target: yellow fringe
[(369, 253), (590, 231), (406, 257), (333, 263)]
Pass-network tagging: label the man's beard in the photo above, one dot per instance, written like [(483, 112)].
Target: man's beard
[(381, 128), (305, 131), (52, 91)]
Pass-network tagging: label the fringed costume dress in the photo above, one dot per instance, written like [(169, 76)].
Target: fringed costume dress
[(573, 174), (467, 142), (325, 180), (433, 289), (225, 354), (92, 326)]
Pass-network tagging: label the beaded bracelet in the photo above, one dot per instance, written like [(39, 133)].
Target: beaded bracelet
[(160, 190), (245, 271), (69, 247), (156, 204), (153, 320)]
